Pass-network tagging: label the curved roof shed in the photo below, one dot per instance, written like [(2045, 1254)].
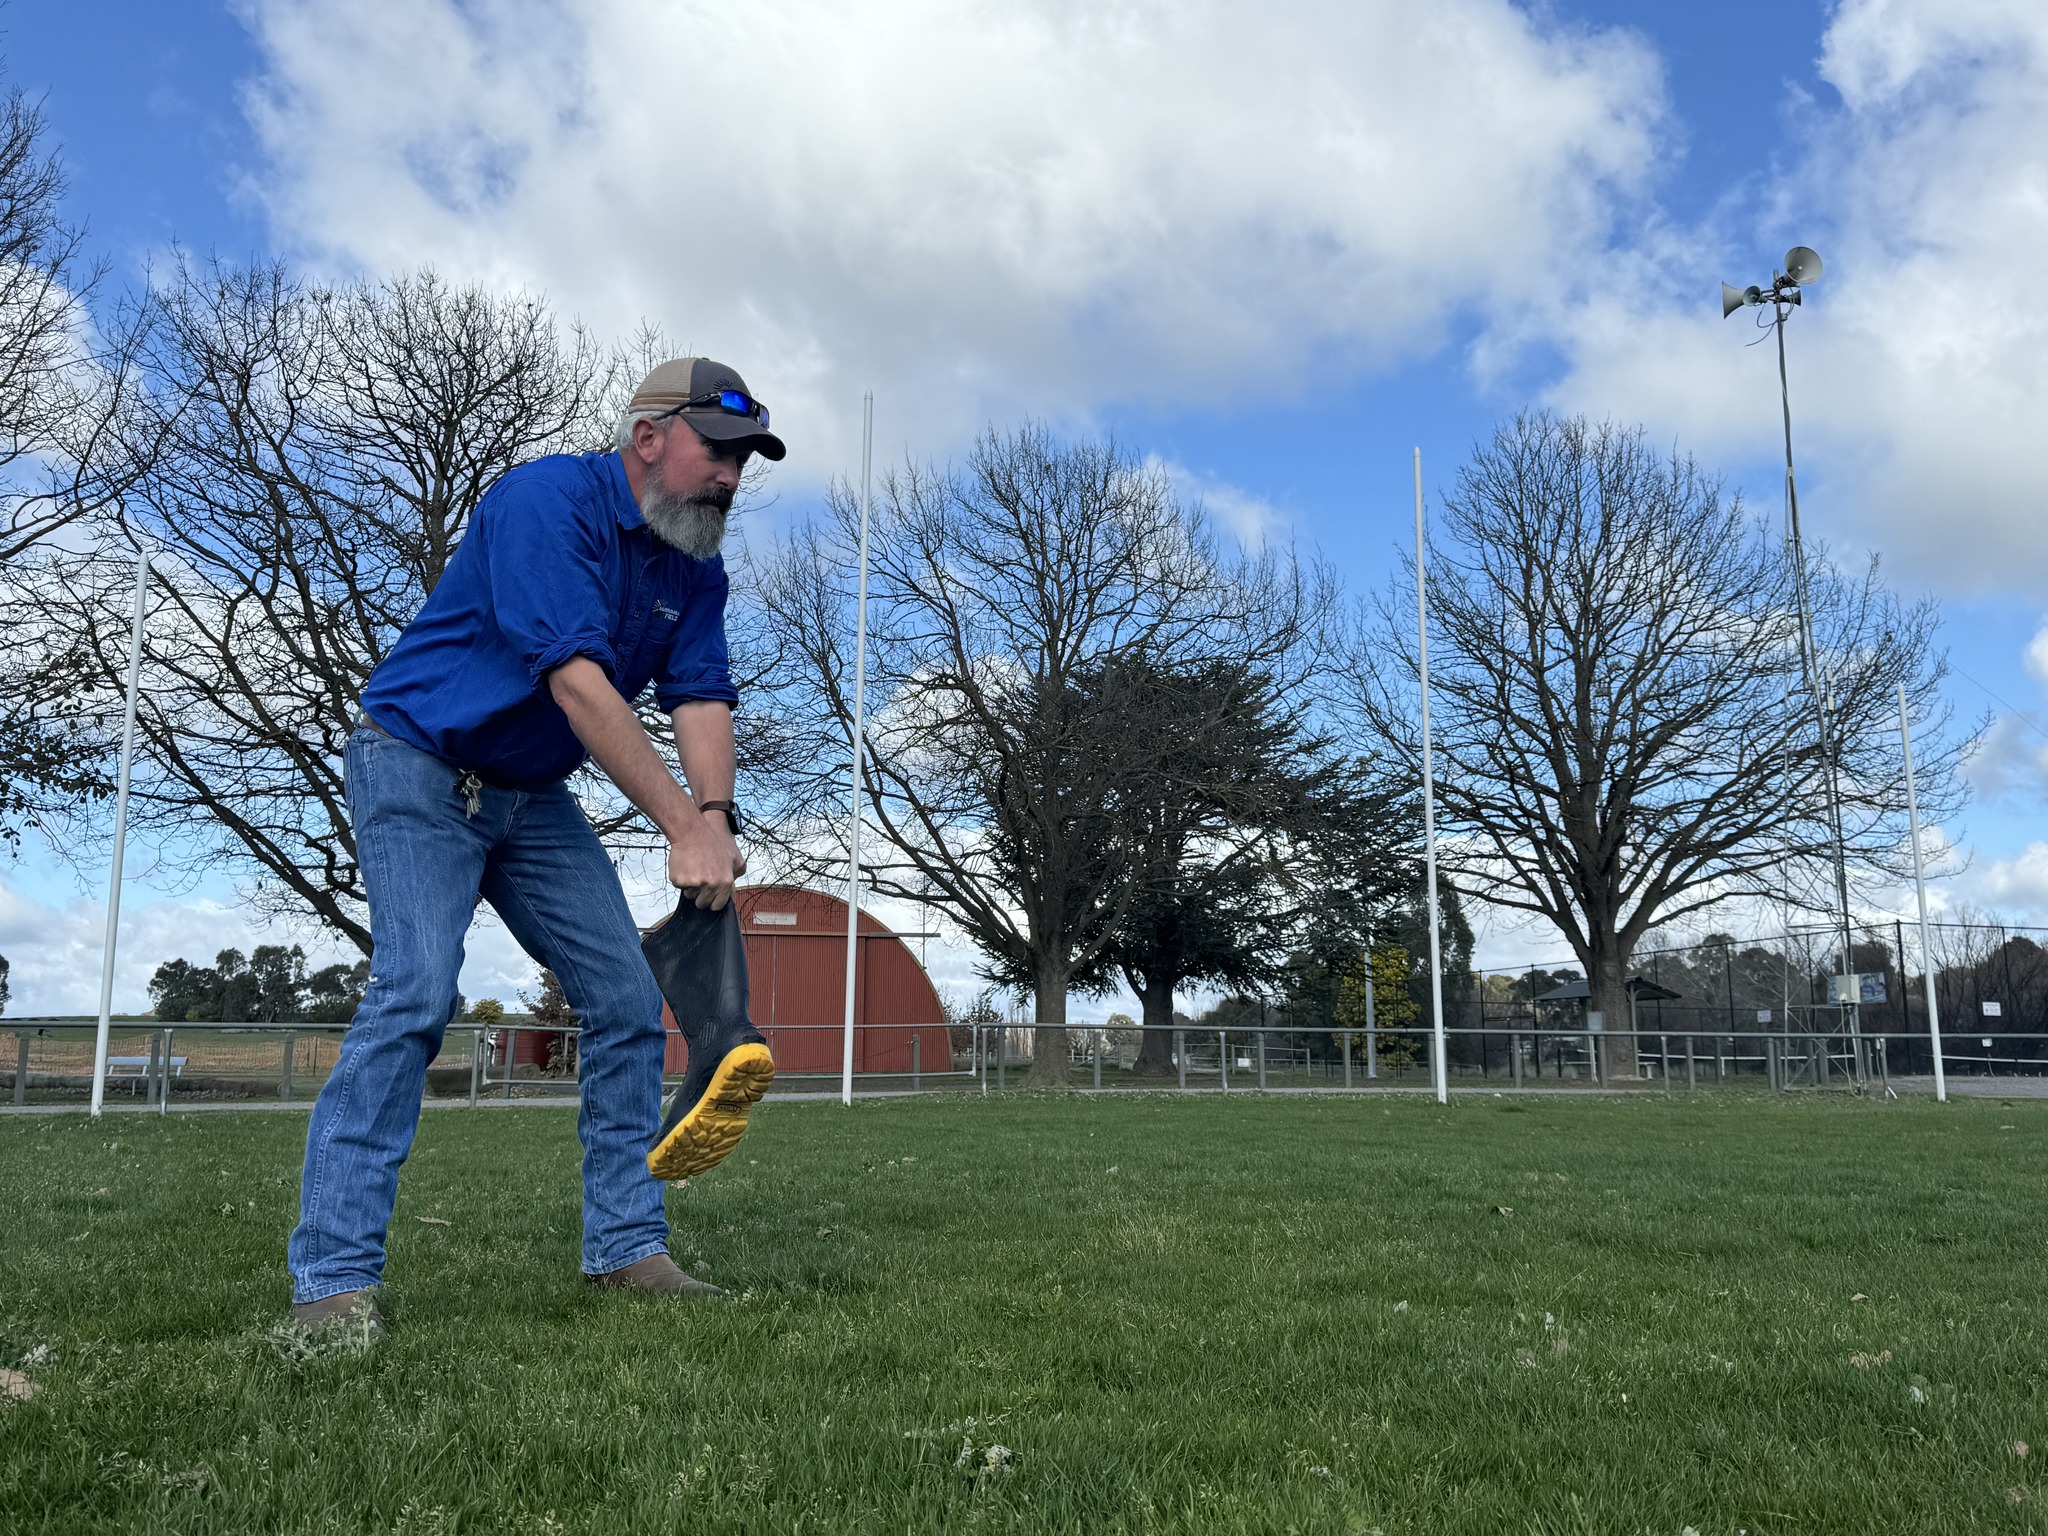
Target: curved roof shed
[(796, 986)]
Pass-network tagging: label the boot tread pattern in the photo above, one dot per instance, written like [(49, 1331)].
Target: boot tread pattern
[(707, 1134)]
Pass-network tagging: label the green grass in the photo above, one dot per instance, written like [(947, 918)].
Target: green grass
[(1180, 1315)]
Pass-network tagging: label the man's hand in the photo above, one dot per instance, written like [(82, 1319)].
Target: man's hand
[(707, 862), (706, 866)]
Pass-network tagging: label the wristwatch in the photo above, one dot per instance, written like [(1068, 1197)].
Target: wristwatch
[(730, 811)]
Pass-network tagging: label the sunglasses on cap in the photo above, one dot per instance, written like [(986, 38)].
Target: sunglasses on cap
[(731, 401)]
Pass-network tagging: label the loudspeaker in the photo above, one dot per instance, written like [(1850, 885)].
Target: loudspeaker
[(1802, 264), (1733, 298)]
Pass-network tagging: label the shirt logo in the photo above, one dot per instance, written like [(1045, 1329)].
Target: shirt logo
[(663, 610)]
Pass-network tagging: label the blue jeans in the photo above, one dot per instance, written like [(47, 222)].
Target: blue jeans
[(425, 861)]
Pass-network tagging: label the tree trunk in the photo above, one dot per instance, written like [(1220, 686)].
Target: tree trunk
[(1049, 1038), (1608, 984), (1155, 1052)]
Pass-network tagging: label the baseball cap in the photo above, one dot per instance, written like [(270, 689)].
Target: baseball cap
[(710, 397)]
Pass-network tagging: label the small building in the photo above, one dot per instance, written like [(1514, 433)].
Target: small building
[(796, 983)]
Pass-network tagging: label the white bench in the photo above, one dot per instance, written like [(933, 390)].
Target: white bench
[(136, 1068)]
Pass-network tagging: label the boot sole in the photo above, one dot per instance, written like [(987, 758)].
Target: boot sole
[(707, 1134)]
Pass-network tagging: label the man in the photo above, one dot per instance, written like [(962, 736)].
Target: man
[(583, 578)]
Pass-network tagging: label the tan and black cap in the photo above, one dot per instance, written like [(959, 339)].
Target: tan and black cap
[(710, 397)]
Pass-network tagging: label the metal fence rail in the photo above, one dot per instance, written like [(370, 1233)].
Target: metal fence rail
[(51, 1059)]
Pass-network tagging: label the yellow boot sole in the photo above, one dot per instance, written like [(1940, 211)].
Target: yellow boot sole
[(707, 1134)]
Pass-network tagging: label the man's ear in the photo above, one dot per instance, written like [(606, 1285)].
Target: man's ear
[(647, 439)]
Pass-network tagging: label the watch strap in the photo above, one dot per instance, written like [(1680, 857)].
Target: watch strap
[(726, 808)]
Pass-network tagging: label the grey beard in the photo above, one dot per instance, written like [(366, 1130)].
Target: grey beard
[(693, 524)]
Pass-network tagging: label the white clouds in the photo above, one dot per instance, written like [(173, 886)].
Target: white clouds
[(54, 949), (2037, 656), (1042, 205), (2015, 889), (979, 208), (1248, 519), (1920, 369), (2011, 761)]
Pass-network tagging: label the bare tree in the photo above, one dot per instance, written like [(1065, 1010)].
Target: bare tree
[(1022, 607), (61, 380), (1623, 733), (302, 464)]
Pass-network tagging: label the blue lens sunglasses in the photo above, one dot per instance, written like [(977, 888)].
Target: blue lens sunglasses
[(730, 401)]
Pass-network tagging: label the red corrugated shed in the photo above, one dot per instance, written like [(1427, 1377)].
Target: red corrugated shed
[(796, 980)]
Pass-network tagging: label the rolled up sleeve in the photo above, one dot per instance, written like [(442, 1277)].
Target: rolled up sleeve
[(697, 665), (547, 563)]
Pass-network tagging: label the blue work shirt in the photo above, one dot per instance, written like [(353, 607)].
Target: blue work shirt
[(557, 563)]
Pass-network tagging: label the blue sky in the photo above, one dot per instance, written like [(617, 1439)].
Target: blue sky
[(1686, 144)]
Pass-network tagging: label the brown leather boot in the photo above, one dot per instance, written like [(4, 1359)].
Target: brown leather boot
[(350, 1310), (657, 1275)]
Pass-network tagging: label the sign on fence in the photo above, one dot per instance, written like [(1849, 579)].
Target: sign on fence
[(1994, 1010), (1863, 987)]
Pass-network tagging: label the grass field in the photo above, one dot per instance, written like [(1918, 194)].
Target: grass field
[(1253, 1315)]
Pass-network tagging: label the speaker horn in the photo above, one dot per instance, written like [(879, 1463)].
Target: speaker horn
[(1802, 264), (1734, 298)]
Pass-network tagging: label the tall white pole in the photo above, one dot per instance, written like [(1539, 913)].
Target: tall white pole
[(860, 679), (1439, 1068), (99, 1050), (1920, 888)]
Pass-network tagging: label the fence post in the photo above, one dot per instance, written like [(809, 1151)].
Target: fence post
[(1180, 1056), (1372, 1023), (1262, 1055), (284, 1085), (149, 1086), (1771, 1062), (916, 1065), (1002, 1057), (1223, 1058), (511, 1055), (476, 1061), (1692, 1076), (163, 1103), (1098, 1057), (1515, 1050), (1347, 1058), (20, 1067)]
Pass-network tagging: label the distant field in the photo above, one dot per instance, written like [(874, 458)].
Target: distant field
[(1245, 1315)]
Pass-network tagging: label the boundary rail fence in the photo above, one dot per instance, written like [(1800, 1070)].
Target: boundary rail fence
[(1990, 987), (1717, 1011), (52, 1061)]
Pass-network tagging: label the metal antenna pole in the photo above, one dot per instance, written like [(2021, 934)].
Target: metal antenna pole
[(860, 677), (1440, 1069), (1823, 703), (1920, 888), (99, 1050)]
